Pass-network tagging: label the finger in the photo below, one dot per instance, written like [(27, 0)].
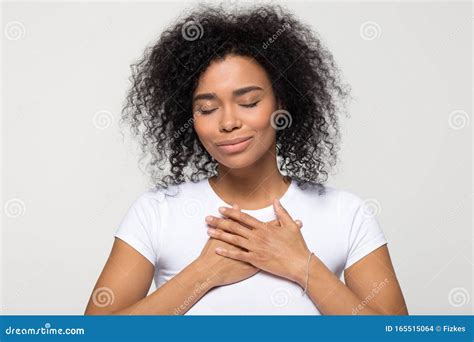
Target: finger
[(282, 214), (228, 226), (233, 239), (299, 223), (235, 206), (242, 217), (275, 222), (236, 255)]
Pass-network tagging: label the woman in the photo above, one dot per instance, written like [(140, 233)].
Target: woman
[(243, 108)]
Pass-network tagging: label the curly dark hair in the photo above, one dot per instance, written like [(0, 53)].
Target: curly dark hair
[(301, 70)]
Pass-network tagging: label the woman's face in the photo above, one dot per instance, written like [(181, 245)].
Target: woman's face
[(234, 99)]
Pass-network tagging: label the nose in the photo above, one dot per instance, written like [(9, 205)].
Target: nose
[(228, 121)]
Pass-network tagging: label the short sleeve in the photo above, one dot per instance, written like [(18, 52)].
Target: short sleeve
[(140, 226), (365, 233)]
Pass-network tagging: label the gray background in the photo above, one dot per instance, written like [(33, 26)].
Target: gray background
[(68, 177)]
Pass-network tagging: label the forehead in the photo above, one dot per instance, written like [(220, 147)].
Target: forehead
[(232, 72)]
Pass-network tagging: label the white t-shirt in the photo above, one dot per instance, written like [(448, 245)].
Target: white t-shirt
[(168, 228)]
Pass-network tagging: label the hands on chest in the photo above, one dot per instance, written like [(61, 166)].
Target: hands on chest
[(240, 245)]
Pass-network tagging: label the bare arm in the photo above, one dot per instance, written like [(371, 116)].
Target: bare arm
[(125, 281), (371, 287)]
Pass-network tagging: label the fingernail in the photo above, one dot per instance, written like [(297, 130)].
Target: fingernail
[(222, 210), (208, 219)]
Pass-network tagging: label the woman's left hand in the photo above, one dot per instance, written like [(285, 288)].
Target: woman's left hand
[(276, 247)]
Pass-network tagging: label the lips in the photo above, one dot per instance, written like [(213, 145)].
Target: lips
[(233, 141), (240, 146)]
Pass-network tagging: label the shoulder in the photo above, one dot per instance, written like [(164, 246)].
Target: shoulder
[(157, 196), (149, 201), (331, 195), (342, 202), (349, 198), (351, 204), (149, 197)]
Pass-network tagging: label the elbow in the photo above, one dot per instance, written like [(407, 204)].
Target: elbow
[(92, 310), (403, 311), (97, 313)]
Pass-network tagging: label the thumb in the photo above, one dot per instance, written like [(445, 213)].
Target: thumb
[(282, 214)]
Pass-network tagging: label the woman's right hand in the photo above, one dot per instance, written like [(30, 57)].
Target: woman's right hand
[(224, 270)]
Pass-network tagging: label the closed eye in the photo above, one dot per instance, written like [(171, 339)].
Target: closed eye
[(204, 112), (251, 105)]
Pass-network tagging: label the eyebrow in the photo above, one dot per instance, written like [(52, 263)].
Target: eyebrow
[(235, 93)]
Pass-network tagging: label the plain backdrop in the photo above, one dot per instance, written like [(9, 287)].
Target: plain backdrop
[(68, 176)]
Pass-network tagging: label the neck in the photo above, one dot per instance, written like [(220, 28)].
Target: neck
[(251, 187)]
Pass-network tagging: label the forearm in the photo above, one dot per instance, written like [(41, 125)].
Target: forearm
[(330, 295), (176, 296)]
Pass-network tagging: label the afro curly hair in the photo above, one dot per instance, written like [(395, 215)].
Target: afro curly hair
[(301, 70)]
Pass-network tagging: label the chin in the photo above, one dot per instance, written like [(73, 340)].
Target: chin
[(234, 165), (236, 161)]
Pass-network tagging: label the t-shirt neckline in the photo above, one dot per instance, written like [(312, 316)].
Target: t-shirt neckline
[(284, 199)]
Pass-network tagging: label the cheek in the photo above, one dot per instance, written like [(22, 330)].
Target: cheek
[(204, 127), (262, 125), (260, 121), (258, 118)]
